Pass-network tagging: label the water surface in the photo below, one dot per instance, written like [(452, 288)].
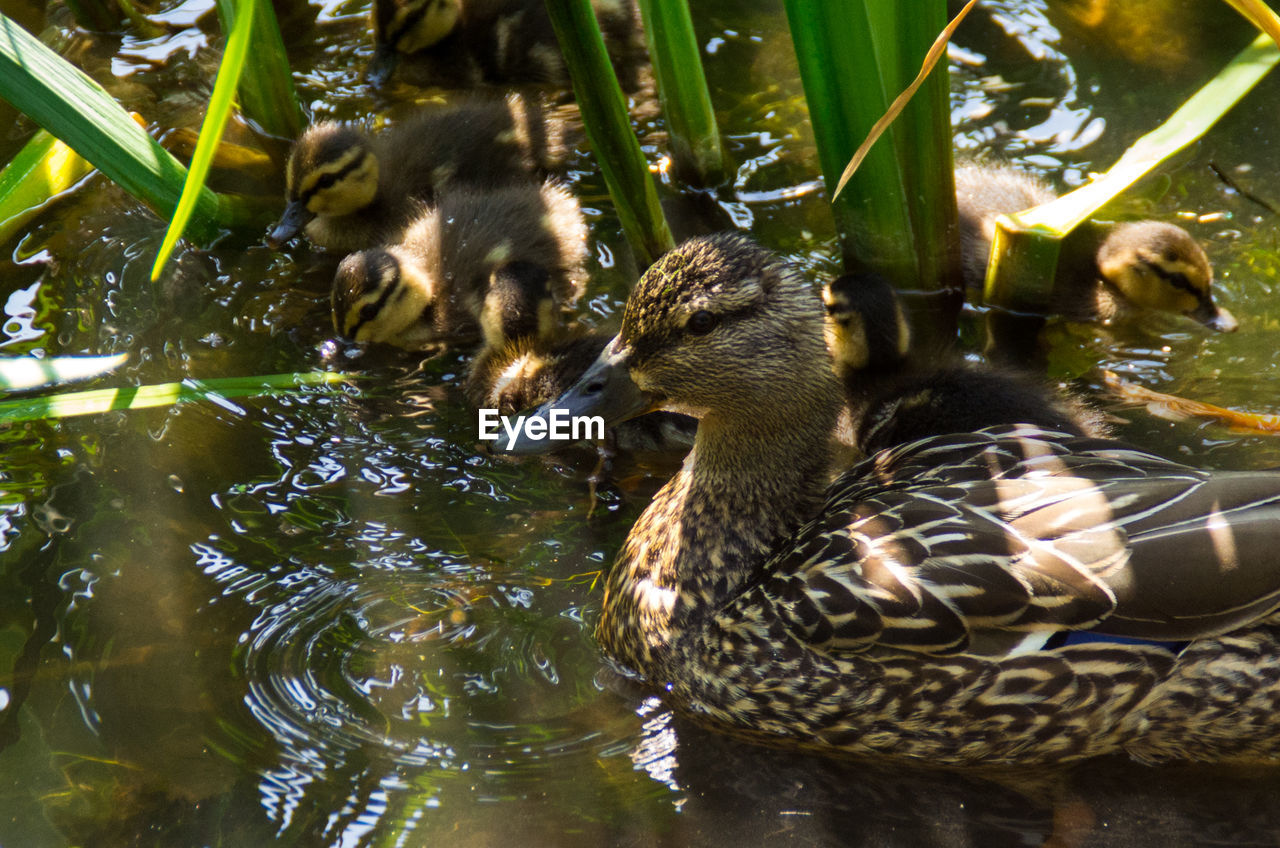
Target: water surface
[(333, 619)]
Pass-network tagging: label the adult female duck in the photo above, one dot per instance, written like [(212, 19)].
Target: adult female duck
[(916, 608)]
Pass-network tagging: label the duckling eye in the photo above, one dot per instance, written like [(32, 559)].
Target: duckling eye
[(701, 322)]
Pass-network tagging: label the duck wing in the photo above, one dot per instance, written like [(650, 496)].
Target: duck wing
[(931, 545)]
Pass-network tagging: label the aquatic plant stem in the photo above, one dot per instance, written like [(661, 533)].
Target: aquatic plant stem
[(604, 114), (696, 147), (267, 94)]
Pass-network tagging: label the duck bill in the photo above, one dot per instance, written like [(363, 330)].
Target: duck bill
[(1215, 317), (295, 217), (382, 65), (605, 391)]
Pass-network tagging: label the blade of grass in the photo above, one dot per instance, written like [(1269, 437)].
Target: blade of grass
[(835, 48), (936, 52), (164, 394), (216, 114), (29, 372), (44, 169), (604, 113), (1025, 247), (267, 95), (682, 86), (924, 150), (60, 98)]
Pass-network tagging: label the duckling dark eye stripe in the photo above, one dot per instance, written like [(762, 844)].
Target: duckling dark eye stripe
[(367, 314), (393, 31), (330, 178), (1176, 279)]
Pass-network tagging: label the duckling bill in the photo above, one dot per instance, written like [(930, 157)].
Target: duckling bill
[(914, 606), (528, 358), (1131, 267), (347, 189)]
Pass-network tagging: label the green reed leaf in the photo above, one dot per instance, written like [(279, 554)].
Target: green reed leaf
[(1026, 245), (216, 391), (267, 94), (44, 169), (682, 85), (604, 113), (30, 372), (215, 121), (70, 105)]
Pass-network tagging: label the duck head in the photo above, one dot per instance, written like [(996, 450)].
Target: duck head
[(332, 170), (1157, 265)]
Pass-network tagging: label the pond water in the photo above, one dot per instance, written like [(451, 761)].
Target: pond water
[(331, 619)]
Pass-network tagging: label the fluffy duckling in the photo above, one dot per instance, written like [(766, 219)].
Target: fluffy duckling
[(465, 43), (527, 358), (349, 190), (917, 606), (430, 287), (892, 404), (1134, 266)]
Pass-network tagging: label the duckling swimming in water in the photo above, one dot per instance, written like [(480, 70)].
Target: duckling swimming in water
[(527, 358), (1134, 266), (891, 403), (349, 190), (464, 43), (915, 607), (430, 287)]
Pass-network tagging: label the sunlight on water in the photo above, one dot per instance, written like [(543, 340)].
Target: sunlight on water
[(334, 619)]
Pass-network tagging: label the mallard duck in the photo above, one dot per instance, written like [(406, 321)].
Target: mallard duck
[(350, 190), (527, 358), (1132, 266), (916, 606), (468, 42), (430, 286), (892, 403)]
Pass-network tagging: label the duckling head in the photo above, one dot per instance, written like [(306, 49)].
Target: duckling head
[(383, 296), (332, 170), (866, 327), (407, 26), (718, 328), (517, 304), (1161, 266)]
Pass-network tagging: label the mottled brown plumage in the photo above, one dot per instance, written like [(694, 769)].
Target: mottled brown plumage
[(348, 189), (1129, 267), (918, 606), (430, 287)]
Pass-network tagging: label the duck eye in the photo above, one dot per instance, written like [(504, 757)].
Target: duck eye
[(701, 322)]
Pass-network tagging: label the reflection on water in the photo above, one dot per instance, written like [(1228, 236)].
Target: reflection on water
[(333, 619)]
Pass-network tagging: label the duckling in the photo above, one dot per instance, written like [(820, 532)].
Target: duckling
[(915, 606), (527, 358), (464, 43), (1137, 265), (891, 404), (351, 190), (430, 286)]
